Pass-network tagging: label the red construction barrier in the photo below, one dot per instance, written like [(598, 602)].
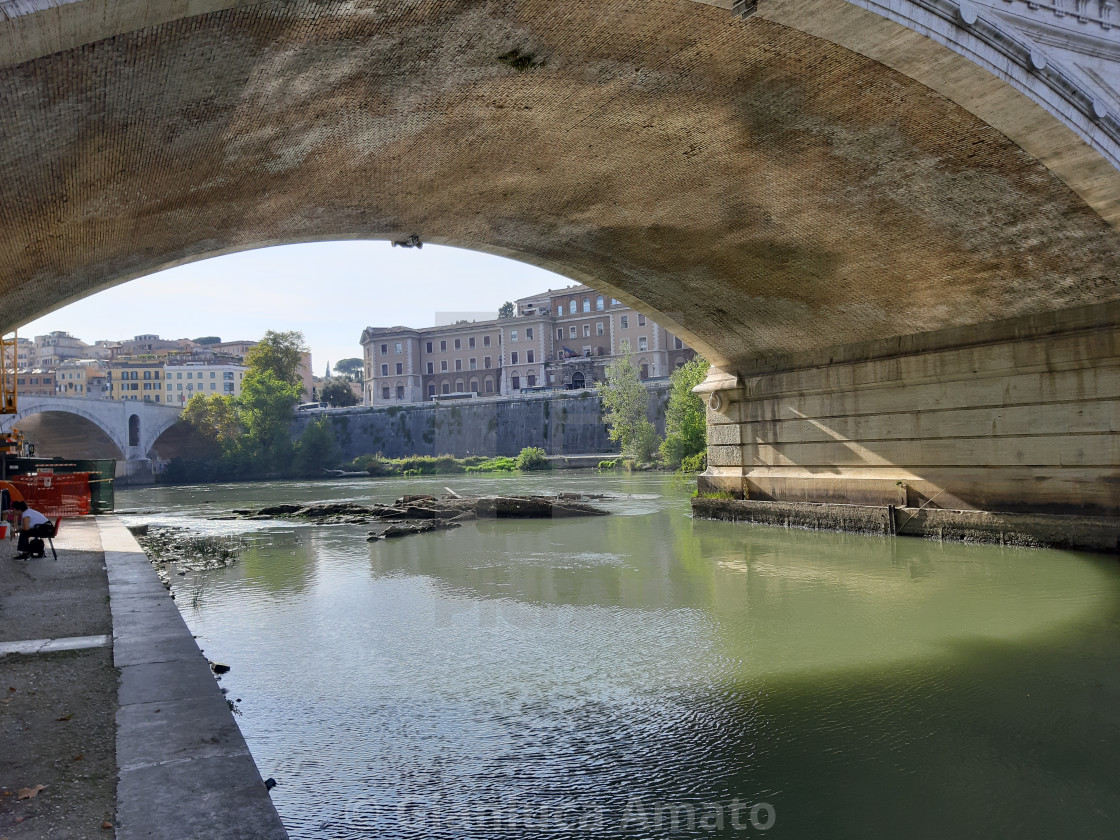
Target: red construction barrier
[(55, 495)]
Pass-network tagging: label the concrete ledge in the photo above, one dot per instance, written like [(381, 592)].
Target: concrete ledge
[(1084, 533), (185, 770)]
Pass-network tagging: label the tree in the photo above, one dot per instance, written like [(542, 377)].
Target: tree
[(350, 368), (686, 425), (266, 407), (506, 310), (317, 449), (627, 403), (338, 393), (208, 339), (280, 353)]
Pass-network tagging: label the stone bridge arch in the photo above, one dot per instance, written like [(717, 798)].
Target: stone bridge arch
[(779, 190)]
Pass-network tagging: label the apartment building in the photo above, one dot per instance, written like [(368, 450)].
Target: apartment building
[(138, 379), (183, 380), (35, 383), (84, 379), (55, 348), (556, 339)]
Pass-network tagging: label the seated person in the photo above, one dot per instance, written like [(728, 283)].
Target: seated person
[(31, 523)]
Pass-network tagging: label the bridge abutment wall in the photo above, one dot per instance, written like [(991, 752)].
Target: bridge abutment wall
[(1012, 417)]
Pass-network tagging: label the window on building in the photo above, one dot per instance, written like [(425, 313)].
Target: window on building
[(515, 381), (443, 365), (587, 304), (513, 357), (400, 392), (473, 365), (572, 331), (641, 320), (513, 335), (447, 387), (443, 347), (400, 368), (431, 367), (624, 344), (531, 380), (486, 362), (178, 374), (384, 370), (384, 349), (643, 343), (678, 344), (385, 393), (625, 321), (559, 333), (474, 386), (572, 306), (529, 356), (599, 303), (398, 348), (599, 328), (470, 342), (428, 347), (528, 333), (486, 341), (147, 374), (586, 330), (645, 372), (431, 390), (458, 364), (489, 385), (458, 344), (458, 386)]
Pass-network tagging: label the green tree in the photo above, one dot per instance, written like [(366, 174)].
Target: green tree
[(506, 310), (208, 339), (337, 393), (627, 408), (686, 425), (350, 368), (280, 353), (266, 407), (317, 449)]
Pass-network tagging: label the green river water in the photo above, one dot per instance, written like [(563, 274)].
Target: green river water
[(647, 675)]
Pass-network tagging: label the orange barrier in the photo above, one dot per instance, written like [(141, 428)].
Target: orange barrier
[(55, 495)]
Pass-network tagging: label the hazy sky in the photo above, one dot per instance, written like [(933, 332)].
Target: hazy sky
[(330, 291)]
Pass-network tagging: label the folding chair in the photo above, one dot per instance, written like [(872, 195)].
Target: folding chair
[(50, 539)]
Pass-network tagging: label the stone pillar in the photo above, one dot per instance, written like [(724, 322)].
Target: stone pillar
[(1010, 417)]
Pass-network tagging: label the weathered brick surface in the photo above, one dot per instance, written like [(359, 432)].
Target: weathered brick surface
[(763, 190)]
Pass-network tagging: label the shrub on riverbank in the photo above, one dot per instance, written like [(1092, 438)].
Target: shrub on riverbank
[(531, 458)]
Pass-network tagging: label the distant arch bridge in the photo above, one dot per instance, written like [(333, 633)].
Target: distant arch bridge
[(134, 433)]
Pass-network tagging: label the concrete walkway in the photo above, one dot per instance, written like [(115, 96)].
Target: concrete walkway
[(134, 739)]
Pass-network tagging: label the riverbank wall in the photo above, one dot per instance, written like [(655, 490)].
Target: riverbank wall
[(564, 423)]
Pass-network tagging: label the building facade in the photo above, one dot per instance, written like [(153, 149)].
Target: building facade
[(555, 340), (138, 379), (183, 380), (85, 379)]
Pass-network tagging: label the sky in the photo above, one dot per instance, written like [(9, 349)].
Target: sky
[(330, 291)]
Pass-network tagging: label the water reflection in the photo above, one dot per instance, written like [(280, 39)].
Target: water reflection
[(600, 678)]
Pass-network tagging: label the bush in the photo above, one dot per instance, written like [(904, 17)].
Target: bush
[(532, 458), (486, 465), (695, 463), (615, 464)]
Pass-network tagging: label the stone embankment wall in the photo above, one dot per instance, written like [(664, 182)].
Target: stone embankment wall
[(567, 423)]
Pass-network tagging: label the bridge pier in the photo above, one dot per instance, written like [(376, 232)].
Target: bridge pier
[(1012, 423)]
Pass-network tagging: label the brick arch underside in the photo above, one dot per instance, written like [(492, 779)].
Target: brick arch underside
[(760, 190), (65, 434)]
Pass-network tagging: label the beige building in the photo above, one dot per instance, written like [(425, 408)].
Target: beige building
[(558, 339), (84, 379), (183, 380)]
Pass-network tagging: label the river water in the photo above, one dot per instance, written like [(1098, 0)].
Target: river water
[(645, 675)]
